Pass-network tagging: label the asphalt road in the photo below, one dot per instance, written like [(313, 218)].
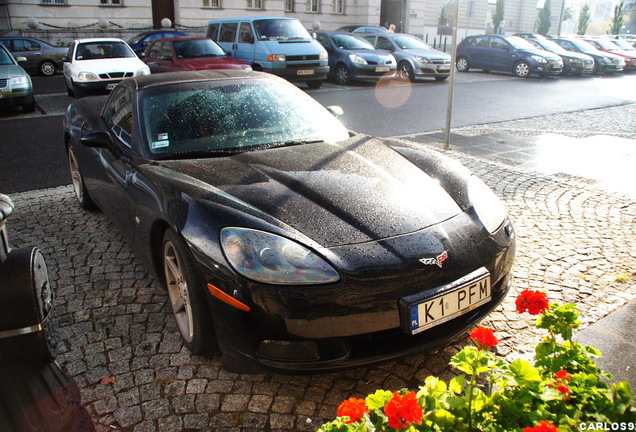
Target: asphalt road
[(32, 156)]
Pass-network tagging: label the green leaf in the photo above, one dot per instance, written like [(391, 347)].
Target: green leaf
[(378, 399), (524, 373), (456, 384)]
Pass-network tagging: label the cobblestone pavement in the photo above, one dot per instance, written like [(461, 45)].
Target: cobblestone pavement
[(119, 342)]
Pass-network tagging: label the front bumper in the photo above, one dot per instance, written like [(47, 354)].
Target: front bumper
[(301, 72), (102, 86), (432, 70), (13, 98), (357, 321)]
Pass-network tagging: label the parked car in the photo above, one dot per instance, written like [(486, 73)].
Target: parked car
[(352, 58), (625, 44), (229, 184), (609, 46), (507, 54), (98, 64), (414, 57), (140, 42), (41, 57), (573, 63), (16, 88), (603, 62), (188, 53), (360, 28)]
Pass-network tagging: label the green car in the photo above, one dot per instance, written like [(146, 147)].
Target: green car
[(16, 88)]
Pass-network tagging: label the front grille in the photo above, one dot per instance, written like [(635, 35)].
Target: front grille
[(304, 65), (115, 75), (303, 57), (4, 83), (440, 61), (374, 63)]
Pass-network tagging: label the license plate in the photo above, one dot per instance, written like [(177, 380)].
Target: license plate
[(382, 69), (306, 72), (111, 86), (426, 310), (444, 68)]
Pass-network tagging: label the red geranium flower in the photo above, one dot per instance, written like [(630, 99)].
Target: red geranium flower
[(543, 426), (563, 375), (484, 336), (535, 302), (402, 410), (354, 408)]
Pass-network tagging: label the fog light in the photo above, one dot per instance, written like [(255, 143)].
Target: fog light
[(288, 350)]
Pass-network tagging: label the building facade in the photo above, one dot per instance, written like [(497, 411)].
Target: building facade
[(58, 21)]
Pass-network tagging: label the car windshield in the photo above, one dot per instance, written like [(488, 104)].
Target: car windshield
[(624, 45), (197, 48), (351, 42), (583, 45), (520, 43), (607, 44), (103, 50), (204, 119), (410, 42), (280, 29), (552, 46), (5, 58)]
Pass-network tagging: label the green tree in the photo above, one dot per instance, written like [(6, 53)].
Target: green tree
[(544, 19), (616, 24), (498, 16), (584, 19)]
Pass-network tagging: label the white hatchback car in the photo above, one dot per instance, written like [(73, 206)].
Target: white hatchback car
[(98, 64)]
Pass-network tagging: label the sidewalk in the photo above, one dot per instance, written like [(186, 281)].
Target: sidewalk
[(120, 344)]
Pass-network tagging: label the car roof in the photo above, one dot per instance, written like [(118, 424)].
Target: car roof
[(180, 38), (147, 81), (84, 40)]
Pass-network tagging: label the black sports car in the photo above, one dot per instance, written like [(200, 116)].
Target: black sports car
[(285, 241)]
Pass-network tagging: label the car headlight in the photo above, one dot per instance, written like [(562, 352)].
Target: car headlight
[(276, 58), (323, 55), (19, 81), (539, 59), (87, 76), (487, 205), (576, 61), (269, 258), (605, 60), (143, 71), (355, 58), (422, 60)]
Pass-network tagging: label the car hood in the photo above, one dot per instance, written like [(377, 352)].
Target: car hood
[(373, 55), (547, 54), (221, 62), (358, 191), (576, 55), (8, 71), (431, 54), (111, 65)]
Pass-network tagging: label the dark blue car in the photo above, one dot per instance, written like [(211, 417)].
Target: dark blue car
[(507, 54), (353, 58)]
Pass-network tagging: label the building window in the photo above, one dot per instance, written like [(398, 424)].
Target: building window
[(338, 6), (289, 5), (216, 4), (313, 5), (255, 4), (110, 2), (53, 2)]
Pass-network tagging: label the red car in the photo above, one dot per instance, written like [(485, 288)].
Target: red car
[(188, 53), (608, 45)]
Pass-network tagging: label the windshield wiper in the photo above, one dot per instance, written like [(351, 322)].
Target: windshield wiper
[(293, 142), (195, 154)]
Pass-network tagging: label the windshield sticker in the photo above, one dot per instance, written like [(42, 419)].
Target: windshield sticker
[(162, 141)]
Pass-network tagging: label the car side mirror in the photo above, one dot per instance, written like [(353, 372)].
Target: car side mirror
[(20, 59), (100, 139), (335, 110), (66, 59)]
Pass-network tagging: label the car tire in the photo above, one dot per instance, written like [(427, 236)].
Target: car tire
[(342, 75), (29, 107), (315, 84), (47, 68), (462, 64), (522, 69), (77, 180), (406, 70), (186, 296), (441, 78)]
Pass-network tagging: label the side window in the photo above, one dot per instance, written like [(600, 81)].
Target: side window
[(246, 35), (213, 32), (324, 41), (228, 32), (384, 43), (166, 51), (118, 114), (153, 52), (498, 43), (567, 45), (7, 44)]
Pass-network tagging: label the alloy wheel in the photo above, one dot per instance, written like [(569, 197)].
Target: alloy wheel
[(178, 291)]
